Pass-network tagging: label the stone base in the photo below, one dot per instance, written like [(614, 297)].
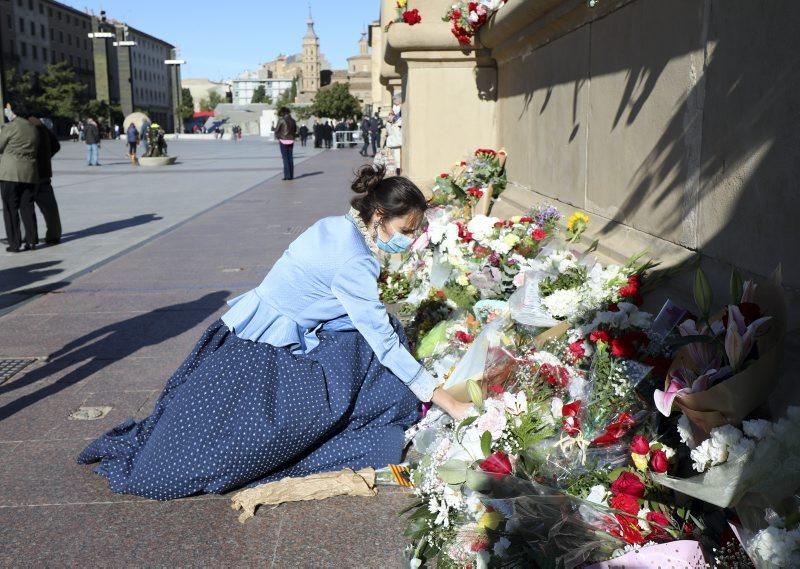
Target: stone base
[(157, 160)]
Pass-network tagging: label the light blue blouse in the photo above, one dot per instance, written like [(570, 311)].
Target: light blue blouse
[(328, 277)]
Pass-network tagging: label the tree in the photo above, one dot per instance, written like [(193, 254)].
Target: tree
[(61, 93), (214, 99), (187, 104), (23, 90), (259, 95), (336, 102)]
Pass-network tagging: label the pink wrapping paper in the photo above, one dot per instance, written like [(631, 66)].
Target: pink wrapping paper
[(684, 554)]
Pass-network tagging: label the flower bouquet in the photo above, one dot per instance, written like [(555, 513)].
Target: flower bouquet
[(728, 365)]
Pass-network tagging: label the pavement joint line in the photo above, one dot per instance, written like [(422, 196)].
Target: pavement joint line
[(147, 240), (277, 541)]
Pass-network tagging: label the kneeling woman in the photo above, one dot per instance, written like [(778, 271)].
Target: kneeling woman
[(303, 374)]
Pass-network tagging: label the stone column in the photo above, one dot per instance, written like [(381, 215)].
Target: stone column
[(449, 93)]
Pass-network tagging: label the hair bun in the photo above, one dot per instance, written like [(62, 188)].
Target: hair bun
[(367, 178)]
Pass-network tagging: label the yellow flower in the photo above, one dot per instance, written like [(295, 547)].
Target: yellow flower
[(575, 219), (516, 219), (472, 290), (510, 239), (462, 280), (401, 3), (640, 461), (490, 520)]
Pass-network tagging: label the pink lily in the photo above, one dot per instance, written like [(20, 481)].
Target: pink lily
[(739, 338), (683, 381), (702, 354), (748, 292)]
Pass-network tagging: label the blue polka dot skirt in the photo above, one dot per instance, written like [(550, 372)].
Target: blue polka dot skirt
[(239, 413)]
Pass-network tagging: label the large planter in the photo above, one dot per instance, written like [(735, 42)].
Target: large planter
[(157, 160)]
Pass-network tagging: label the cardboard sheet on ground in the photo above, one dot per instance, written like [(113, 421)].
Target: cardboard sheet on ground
[(314, 487)]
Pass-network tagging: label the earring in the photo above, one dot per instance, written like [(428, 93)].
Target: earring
[(375, 230)]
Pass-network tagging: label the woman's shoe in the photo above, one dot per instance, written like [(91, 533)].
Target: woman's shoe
[(29, 247), (12, 249)]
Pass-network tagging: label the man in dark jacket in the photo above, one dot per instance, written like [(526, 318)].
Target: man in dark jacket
[(19, 143), (375, 126), (91, 137), (285, 133), (365, 135), (44, 196)]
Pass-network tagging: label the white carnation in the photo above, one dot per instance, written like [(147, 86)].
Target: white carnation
[(563, 303), (757, 429)]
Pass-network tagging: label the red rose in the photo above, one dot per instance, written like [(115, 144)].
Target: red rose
[(498, 224), (525, 219), (556, 376), (616, 430), (538, 234), (456, 14), (658, 532), (497, 464), (659, 462), (464, 337), (640, 445), (600, 336), (688, 528), (472, 6), (440, 294), (444, 175), (625, 503), (572, 423), (628, 484), (412, 17)]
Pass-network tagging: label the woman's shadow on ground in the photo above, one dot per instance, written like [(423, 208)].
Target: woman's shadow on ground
[(108, 344)]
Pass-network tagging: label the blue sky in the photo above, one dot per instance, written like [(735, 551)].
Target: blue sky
[(221, 39)]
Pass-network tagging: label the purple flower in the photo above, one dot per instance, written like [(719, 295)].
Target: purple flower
[(545, 214)]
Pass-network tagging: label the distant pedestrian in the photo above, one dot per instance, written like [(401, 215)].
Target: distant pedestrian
[(133, 142), (317, 135), (303, 132), (394, 140), (44, 196), (285, 132), (74, 132), (116, 131), (375, 126), (365, 135), (327, 134), (92, 139), (19, 141)]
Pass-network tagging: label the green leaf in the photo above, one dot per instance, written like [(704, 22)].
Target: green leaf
[(736, 286), (453, 471), (478, 480), (464, 424), (702, 292), (486, 443)]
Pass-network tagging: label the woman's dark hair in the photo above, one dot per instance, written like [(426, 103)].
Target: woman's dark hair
[(393, 196), (283, 111)]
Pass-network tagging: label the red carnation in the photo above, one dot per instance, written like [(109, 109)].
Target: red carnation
[(556, 376), (525, 219), (440, 294), (572, 423), (498, 224), (472, 6), (657, 530), (625, 503), (576, 351), (538, 234), (600, 336), (444, 175), (628, 484), (640, 445), (629, 531), (412, 17), (497, 464), (616, 430), (659, 463), (456, 14)]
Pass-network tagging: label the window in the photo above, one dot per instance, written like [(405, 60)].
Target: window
[(71, 61), (41, 29), (35, 52), (52, 34), (61, 36), (67, 18), (10, 21), (69, 39), (50, 12), (33, 29), (41, 8), (59, 16), (21, 26), (53, 57), (23, 49), (19, 3), (30, 5), (44, 55)]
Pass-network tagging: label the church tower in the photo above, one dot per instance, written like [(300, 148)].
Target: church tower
[(310, 79)]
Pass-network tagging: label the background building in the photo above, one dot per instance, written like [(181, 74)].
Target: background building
[(359, 74), (126, 68), (244, 86), (202, 89)]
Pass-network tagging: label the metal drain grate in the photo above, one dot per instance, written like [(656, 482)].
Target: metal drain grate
[(10, 367)]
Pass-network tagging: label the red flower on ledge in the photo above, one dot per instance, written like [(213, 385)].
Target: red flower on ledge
[(412, 17)]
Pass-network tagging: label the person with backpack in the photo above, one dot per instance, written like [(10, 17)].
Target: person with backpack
[(91, 137), (285, 133), (133, 142)]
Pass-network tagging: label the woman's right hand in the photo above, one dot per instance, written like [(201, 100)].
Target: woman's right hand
[(450, 405)]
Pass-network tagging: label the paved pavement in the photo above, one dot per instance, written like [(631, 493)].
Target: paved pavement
[(110, 337), (107, 210)]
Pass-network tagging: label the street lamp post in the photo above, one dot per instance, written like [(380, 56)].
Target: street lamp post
[(175, 64)]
